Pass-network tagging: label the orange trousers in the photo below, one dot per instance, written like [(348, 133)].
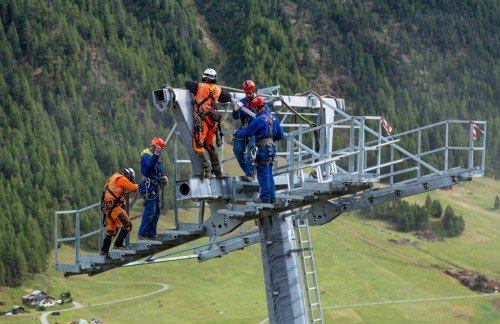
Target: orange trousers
[(205, 139), (118, 217)]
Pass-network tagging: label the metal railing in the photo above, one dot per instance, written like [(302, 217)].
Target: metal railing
[(371, 156), (97, 219), (78, 236)]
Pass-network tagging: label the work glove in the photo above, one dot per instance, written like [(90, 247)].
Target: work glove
[(164, 179), (238, 105), (157, 150)]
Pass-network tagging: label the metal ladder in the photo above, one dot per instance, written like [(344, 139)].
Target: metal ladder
[(311, 288)]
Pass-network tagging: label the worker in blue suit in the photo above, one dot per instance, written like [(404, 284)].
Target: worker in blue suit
[(243, 146), (153, 180), (264, 127)]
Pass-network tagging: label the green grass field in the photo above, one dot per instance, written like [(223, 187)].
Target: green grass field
[(362, 276)]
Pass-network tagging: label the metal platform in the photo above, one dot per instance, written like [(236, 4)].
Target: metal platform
[(330, 163)]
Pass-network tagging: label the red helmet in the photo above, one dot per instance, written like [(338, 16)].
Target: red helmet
[(248, 86), (158, 141), (258, 102)]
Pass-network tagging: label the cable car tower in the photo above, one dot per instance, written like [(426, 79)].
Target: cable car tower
[(330, 163)]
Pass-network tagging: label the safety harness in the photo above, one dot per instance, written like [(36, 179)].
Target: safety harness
[(202, 110), (264, 141), (110, 205), (202, 113), (248, 105), (210, 96), (147, 183)]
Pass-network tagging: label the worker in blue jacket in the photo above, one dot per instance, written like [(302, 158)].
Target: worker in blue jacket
[(243, 146), (264, 127), (278, 134), (153, 180)]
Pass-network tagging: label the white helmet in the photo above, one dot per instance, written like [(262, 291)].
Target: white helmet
[(210, 76), (129, 173)]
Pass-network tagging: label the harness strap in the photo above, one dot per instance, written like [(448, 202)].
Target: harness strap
[(270, 122), (265, 141), (210, 96), (113, 204), (150, 181), (117, 199)]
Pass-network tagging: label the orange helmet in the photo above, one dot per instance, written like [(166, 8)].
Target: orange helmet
[(258, 102), (158, 141), (248, 86)]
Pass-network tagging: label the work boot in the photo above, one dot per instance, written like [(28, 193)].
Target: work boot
[(199, 174), (105, 255), (217, 172), (247, 179), (106, 243), (214, 161), (259, 201), (119, 240)]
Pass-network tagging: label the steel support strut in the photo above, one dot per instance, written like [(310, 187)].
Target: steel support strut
[(285, 297)]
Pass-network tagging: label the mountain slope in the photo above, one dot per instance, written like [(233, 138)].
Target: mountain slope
[(363, 276), (76, 79)]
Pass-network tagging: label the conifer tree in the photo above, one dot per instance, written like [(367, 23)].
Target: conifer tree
[(436, 209)]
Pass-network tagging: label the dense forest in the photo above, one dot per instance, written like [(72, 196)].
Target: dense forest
[(407, 217), (76, 80)]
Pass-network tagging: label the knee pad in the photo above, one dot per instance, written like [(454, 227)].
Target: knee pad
[(123, 219), (128, 226)]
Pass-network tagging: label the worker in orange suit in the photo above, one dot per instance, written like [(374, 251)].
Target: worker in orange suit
[(206, 96), (114, 199)]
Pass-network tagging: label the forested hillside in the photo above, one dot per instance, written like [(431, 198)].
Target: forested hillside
[(413, 63), (76, 80)]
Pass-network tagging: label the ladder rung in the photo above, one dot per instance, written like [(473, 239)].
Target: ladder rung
[(307, 253)]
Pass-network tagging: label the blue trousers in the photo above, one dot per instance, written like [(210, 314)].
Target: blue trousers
[(240, 147), (265, 174), (150, 216)]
